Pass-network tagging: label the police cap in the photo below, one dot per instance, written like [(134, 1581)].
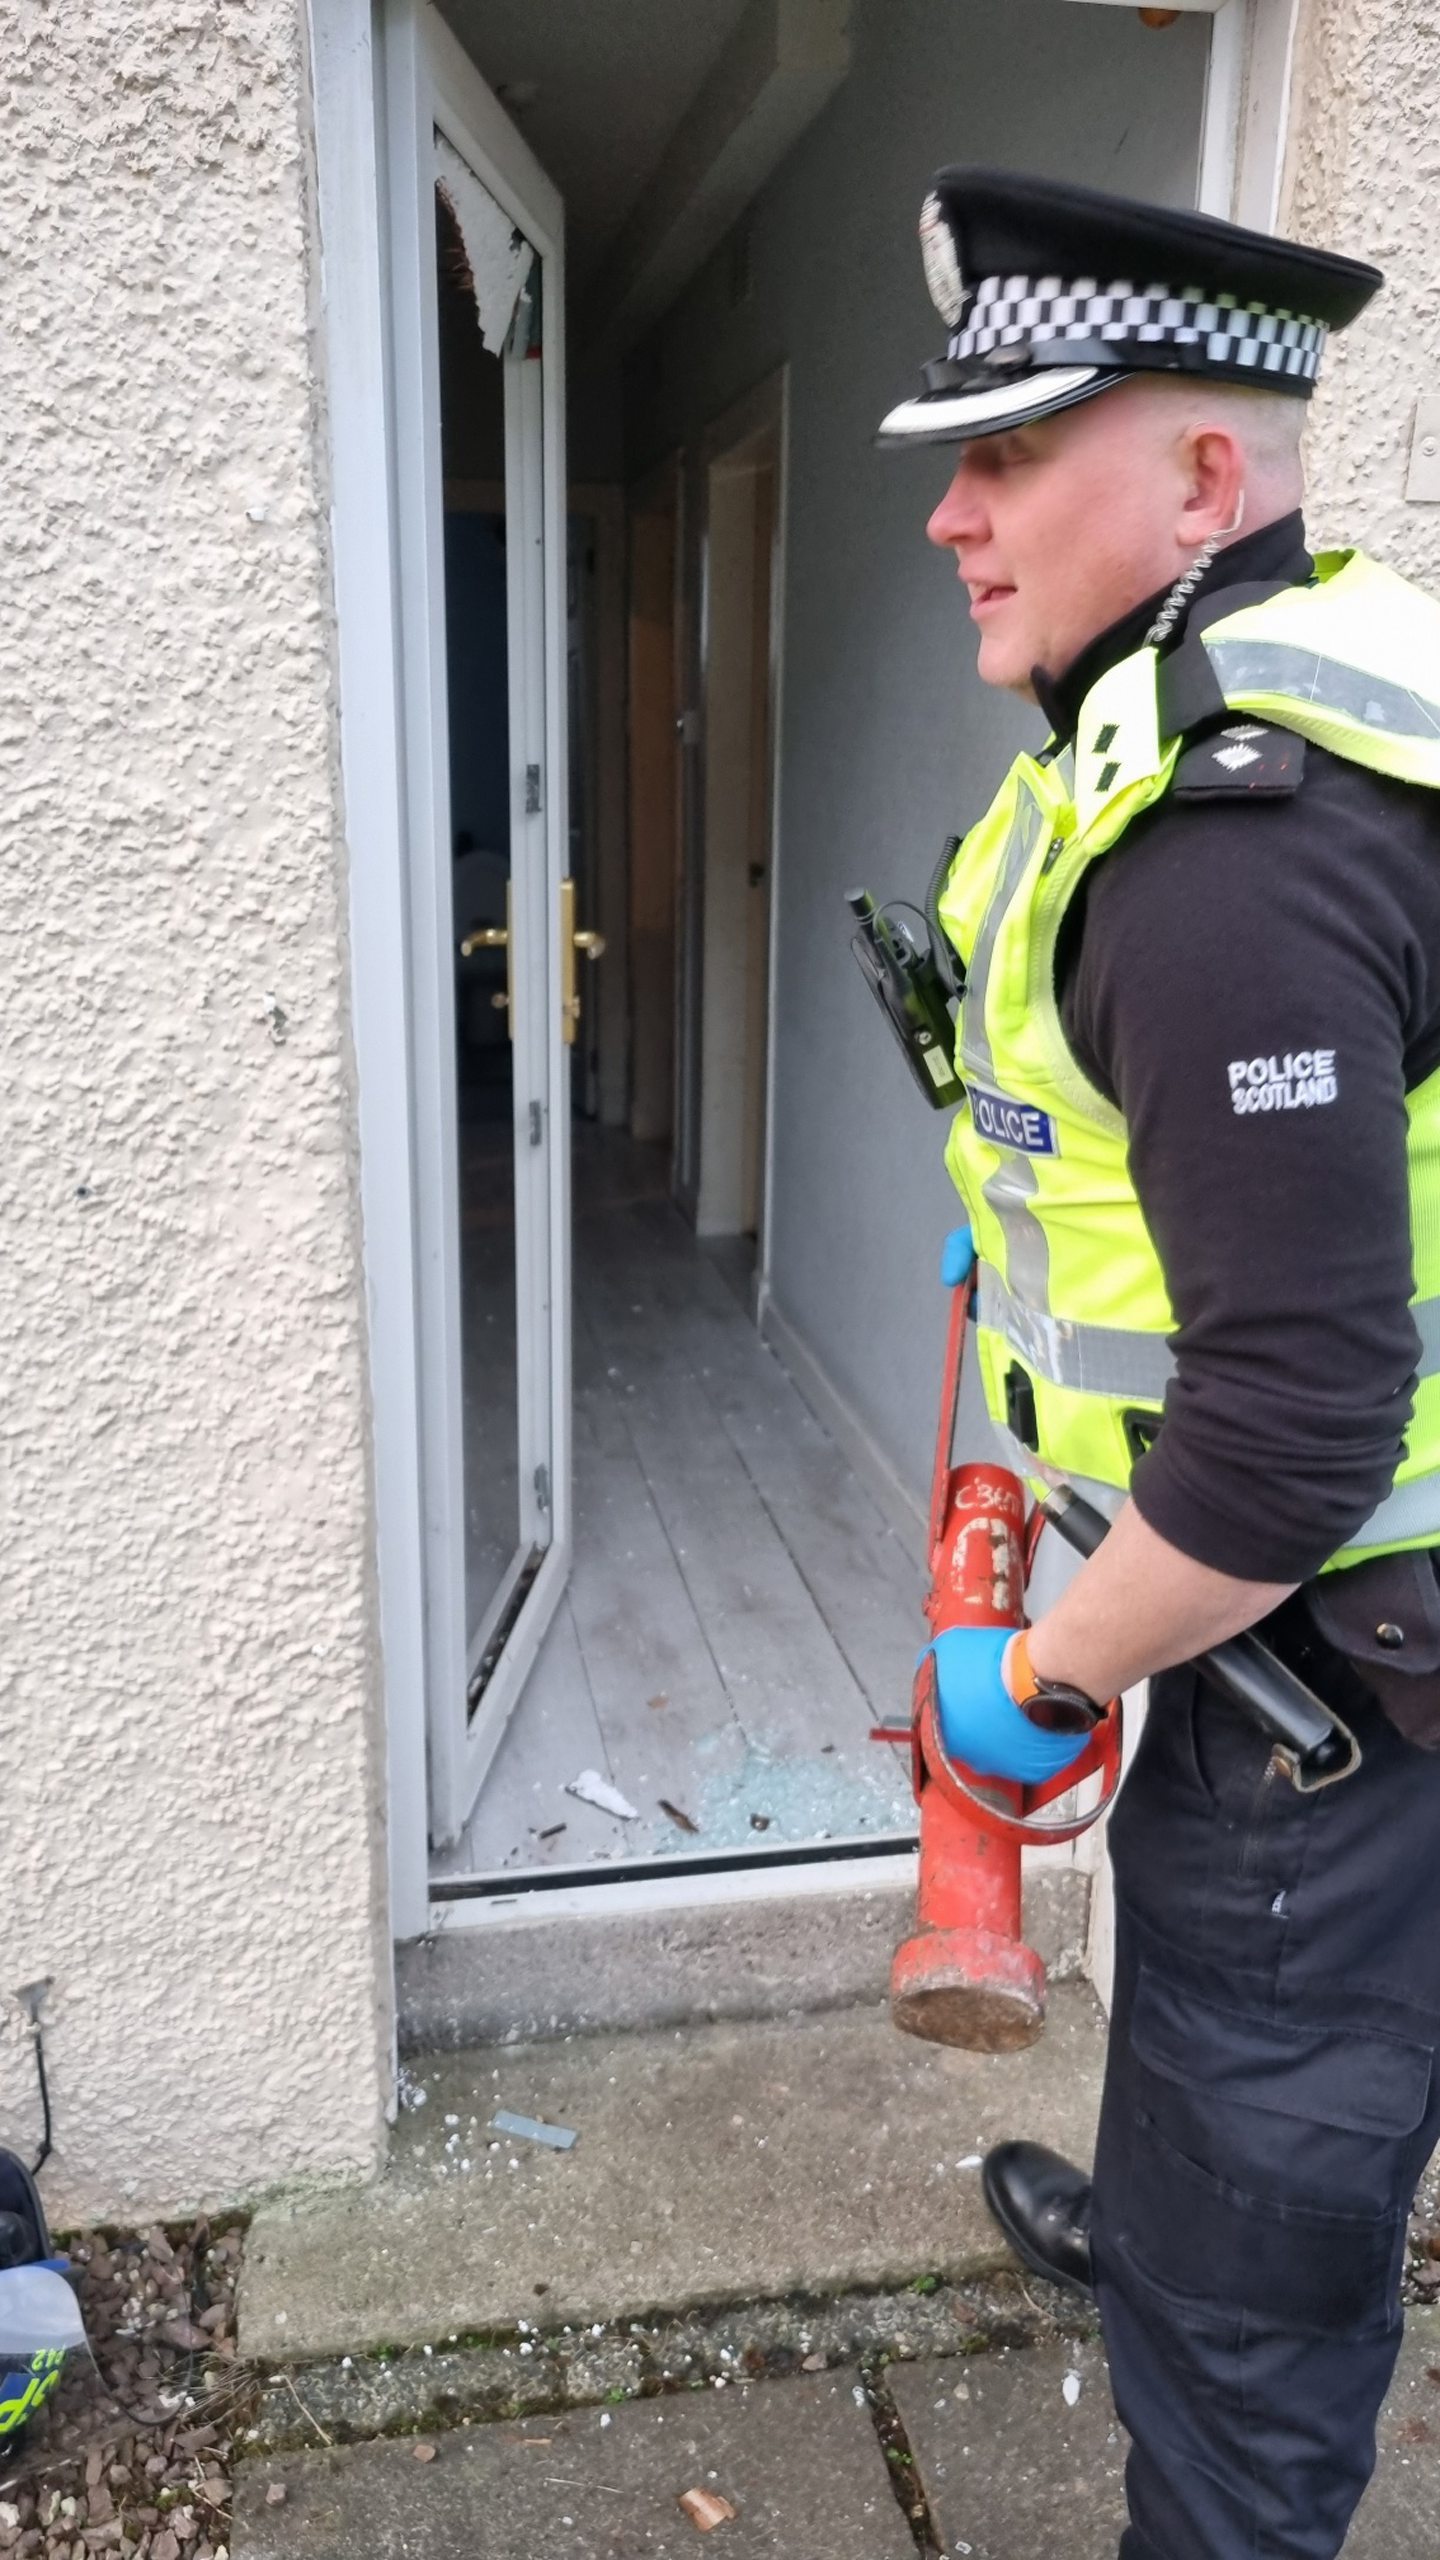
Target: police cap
[(1053, 293)]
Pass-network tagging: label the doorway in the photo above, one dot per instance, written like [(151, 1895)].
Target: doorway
[(739, 1612), (739, 670), (656, 769)]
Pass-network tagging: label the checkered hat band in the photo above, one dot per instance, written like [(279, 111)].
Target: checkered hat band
[(1015, 311)]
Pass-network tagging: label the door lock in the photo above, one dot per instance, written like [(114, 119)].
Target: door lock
[(573, 939), (496, 937)]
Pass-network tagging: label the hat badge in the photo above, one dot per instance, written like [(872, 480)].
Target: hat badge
[(948, 290)]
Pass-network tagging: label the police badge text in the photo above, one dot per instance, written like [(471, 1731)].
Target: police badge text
[(1008, 1123), (1296, 1082)]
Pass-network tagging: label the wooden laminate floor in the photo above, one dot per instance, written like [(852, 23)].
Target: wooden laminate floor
[(739, 1612)]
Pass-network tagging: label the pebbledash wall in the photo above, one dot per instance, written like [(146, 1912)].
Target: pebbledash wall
[(1361, 173), (191, 1816)]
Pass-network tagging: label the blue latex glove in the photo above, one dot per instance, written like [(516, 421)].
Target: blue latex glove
[(957, 1256), (980, 1723)]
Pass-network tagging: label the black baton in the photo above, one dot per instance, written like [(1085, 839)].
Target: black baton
[(1312, 1745)]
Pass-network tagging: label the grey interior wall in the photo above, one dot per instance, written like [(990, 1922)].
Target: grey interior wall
[(888, 742)]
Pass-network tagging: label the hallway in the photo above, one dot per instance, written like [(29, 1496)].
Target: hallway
[(739, 1612)]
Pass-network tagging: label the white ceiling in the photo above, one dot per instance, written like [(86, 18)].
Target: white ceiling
[(613, 77)]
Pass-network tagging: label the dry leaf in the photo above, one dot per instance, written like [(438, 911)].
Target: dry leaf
[(424, 2453), (680, 1819), (705, 2509)]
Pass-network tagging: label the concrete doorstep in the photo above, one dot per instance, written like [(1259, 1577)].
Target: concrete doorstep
[(714, 2172), (733, 2163), (1016, 2456)]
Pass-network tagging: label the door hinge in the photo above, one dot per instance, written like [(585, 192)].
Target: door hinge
[(542, 1487), (532, 790), (537, 1123)]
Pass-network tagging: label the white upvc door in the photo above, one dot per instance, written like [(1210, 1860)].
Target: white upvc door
[(495, 1404)]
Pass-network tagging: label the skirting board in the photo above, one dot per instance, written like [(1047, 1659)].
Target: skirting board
[(903, 1508)]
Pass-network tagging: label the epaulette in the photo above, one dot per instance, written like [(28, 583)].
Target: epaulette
[(1246, 760)]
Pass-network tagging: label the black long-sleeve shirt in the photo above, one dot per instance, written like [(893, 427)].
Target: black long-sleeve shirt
[(1219, 936)]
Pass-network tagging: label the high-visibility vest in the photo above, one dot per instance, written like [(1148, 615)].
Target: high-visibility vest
[(1073, 1314)]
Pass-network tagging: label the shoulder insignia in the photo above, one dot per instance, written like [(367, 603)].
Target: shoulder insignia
[(1246, 760)]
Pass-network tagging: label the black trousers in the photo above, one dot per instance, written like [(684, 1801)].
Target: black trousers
[(1271, 2100)]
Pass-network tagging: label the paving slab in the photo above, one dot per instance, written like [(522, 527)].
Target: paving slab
[(799, 2462), (728, 2163), (1013, 2470)]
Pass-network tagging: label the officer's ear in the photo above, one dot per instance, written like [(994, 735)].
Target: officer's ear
[(1212, 486)]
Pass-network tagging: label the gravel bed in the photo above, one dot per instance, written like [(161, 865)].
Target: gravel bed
[(89, 2475)]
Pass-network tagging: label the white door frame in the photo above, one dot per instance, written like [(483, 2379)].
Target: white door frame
[(374, 455), (1247, 98), (1247, 110)]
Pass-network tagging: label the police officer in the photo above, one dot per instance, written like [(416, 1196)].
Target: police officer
[(1200, 1154)]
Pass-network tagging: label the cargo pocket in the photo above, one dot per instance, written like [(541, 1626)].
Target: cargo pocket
[(1271, 2163)]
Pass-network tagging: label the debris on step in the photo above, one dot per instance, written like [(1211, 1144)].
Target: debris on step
[(1070, 2389), (681, 1820), (705, 2509), (554, 2137), (660, 1701), (591, 1788)]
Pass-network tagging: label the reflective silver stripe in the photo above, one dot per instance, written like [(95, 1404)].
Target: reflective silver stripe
[(1010, 1189), (1095, 1359), (1246, 666), (1024, 828), (1409, 1511), (1108, 1498)]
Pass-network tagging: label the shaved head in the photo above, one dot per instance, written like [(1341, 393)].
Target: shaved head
[(1267, 426)]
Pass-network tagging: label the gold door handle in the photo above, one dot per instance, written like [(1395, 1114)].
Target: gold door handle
[(496, 937), (573, 940)]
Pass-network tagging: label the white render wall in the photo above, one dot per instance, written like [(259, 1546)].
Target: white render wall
[(1361, 174), (190, 1799)]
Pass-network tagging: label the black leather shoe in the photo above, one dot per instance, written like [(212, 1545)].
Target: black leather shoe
[(1042, 2204)]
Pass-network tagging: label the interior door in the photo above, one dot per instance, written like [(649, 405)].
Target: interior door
[(476, 379)]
